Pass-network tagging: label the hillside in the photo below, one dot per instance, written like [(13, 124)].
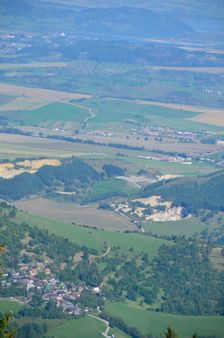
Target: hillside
[(72, 174), (116, 21), (204, 192)]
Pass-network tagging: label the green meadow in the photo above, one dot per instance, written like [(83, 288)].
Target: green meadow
[(48, 114), (125, 115), (156, 322), (114, 187), (96, 238), (79, 328), (7, 305), (185, 227)]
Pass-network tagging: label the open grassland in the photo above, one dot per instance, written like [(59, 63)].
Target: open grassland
[(156, 322), (48, 114), (69, 212), (118, 333), (40, 93), (127, 114), (163, 167), (114, 187), (203, 115), (7, 305), (185, 227), (79, 328), (96, 238), (21, 103)]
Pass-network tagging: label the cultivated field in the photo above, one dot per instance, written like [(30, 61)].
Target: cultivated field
[(14, 146), (156, 322), (40, 93), (206, 115), (70, 212)]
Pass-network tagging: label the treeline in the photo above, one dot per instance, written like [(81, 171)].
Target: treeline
[(111, 145), (73, 172), (124, 52), (192, 194)]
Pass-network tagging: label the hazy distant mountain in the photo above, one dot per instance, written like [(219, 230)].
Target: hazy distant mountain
[(116, 21)]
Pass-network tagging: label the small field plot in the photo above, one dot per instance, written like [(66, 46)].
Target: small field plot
[(7, 305), (155, 323), (186, 227), (48, 115), (69, 212), (79, 328), (113, 187), (23, 103)]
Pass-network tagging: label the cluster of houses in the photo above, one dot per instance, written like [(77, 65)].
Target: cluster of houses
[(103, 133), (181, 135), (37, 276), (168, 158), (149, 209)]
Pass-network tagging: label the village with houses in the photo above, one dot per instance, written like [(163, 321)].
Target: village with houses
[(36, 277)]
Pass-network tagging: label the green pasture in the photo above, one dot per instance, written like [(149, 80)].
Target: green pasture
[(156, 322), (7, 305), (79, 328), (164, 167), (49, 114), (113, 186), (185, 227), (96, 238), (130, 114)]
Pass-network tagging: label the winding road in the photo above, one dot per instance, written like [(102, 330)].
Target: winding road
[(105, 334)]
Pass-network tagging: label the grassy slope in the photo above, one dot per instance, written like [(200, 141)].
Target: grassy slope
[(112, 112), (81, 328), (95, 238), (7, 305), (113, 185), (156, 322), (186, 227), (52, 112)]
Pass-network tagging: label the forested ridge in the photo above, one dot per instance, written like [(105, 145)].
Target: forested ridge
[(194, 194), (72, 173)]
